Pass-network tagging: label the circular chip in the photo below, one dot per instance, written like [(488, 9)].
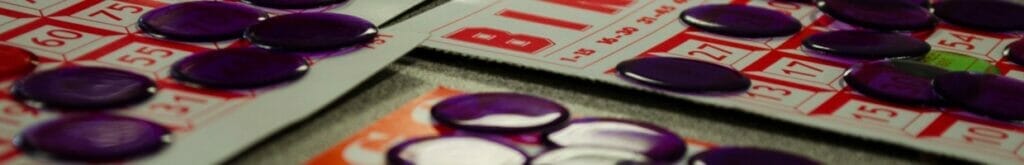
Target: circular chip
[(499, 113), (952, 61), (15, 61), (989, 15), (741, 21), (294, 4), (312, 32), (887, 15), (659, 144), (238, 68), (94, 138), (83, 88), (683, 75), (995, 96), (1015, 52), (866, 45), (455, 150), (895, 80), (201, 21), (739, 156), (589, 156)]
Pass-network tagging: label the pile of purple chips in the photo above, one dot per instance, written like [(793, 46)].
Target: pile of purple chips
[(94, 136), (89, 135), (493, 117), (277, 40)]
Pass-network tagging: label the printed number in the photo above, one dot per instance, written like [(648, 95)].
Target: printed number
[(627, 31), (117, 7), (180, 106), (784, 7), (647, 20), (876, 114), (769, 93), (13, 111), (664, 9), (57, 35), (985, 135), (792, 68), (149, 53), (964, 41), (704, 46)]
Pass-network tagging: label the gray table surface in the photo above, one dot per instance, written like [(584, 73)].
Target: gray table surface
[(423, 70)]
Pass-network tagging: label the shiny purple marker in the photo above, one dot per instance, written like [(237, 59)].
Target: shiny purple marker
[(741, 21), (589, 156), (455, 150), (93, 138), (683, 75), (201, 21), (988, 15), (659, 144), (238, 68), (867, 45), (994, 96), (83, 89), (312, 32), (501, 113), (884, 15), (895, 80), (1015, 52)]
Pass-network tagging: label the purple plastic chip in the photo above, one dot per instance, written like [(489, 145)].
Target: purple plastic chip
[(740, 156), (93, 138), (989, 15), (499, 113), (83, 88), (238, 68), (294, 4), (994, 96), (895, 80), (886, 15), (201, 21), (589, 156), (455, 150), (15, 61), (866, 45), (741, 21), (312, 32), (1015, 52), (659, 144), (683, 75)]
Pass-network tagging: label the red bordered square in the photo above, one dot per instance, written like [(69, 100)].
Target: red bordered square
[(142, 54), (57, 39), (118, 15)]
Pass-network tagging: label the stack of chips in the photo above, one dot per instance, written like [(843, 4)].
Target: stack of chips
[(894, 67), (92, 135), (487, 126)]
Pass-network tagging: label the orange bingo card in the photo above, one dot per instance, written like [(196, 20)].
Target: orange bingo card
[(370, 145)]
